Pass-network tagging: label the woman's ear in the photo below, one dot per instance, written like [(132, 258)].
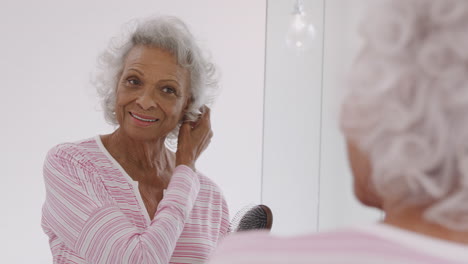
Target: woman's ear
[(185, 109), (187, 104)]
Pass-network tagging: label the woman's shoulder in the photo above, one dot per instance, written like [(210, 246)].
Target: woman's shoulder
[(81, 151), (207, 183), (210, 191), (267, 248), (370, 244)]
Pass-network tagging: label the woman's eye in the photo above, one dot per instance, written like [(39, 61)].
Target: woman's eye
[(169, 90), (133, 81)]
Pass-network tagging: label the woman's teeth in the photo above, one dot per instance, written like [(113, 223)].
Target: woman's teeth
[(143, 119)]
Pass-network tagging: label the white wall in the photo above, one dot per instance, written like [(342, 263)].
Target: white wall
[(338, 206), (49, 49), (291, 122), (306, 176)]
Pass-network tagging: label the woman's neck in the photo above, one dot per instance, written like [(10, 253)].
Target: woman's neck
[(143, 157), (412, 219)]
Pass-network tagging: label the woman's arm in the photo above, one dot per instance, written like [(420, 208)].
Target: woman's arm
[(93, 227), (225, 221)]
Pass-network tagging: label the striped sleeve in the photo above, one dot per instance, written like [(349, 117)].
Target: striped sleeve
[(84, 217), (224, 221)]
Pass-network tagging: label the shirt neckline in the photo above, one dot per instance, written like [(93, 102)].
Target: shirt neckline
[(422, 243), (131, 182)]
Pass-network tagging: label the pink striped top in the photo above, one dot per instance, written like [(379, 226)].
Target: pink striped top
[(375, 244), (93, 212)]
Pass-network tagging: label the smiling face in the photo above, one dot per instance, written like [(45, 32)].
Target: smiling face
[(152, 93)]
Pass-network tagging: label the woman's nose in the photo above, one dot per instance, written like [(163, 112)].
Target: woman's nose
[(146, 101)]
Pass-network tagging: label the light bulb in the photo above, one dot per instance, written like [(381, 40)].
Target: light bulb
[(301, 32)]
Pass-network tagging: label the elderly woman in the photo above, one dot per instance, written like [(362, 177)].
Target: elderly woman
[(126, 197), (406, 123)]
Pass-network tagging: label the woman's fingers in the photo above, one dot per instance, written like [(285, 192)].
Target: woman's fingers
[(194, 138), (204, 120), (203, 130)]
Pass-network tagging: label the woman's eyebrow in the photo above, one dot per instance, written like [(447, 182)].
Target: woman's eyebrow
[(134, 69), (173, 78), (170, 80)]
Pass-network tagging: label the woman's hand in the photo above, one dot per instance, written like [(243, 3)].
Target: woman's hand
[(194, 138)]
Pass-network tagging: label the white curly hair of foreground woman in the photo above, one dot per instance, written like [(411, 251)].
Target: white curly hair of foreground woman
[(169, 34), (407, 105)]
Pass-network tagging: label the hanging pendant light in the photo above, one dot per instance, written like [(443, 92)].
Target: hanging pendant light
[(301, 32)]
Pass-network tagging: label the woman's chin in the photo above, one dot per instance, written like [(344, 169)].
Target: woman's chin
[(144, 134), (368, 198)]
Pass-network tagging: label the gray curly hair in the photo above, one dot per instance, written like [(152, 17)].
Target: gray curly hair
[(407, 105), (172, 35)]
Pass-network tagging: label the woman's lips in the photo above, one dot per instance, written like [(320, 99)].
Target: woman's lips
[(144, 118)]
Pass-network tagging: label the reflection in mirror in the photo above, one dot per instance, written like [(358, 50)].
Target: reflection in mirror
[(126, 195), (252, 217), (50, 54)]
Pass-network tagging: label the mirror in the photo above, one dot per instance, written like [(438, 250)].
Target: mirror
[(49, 54), (275, 122)]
